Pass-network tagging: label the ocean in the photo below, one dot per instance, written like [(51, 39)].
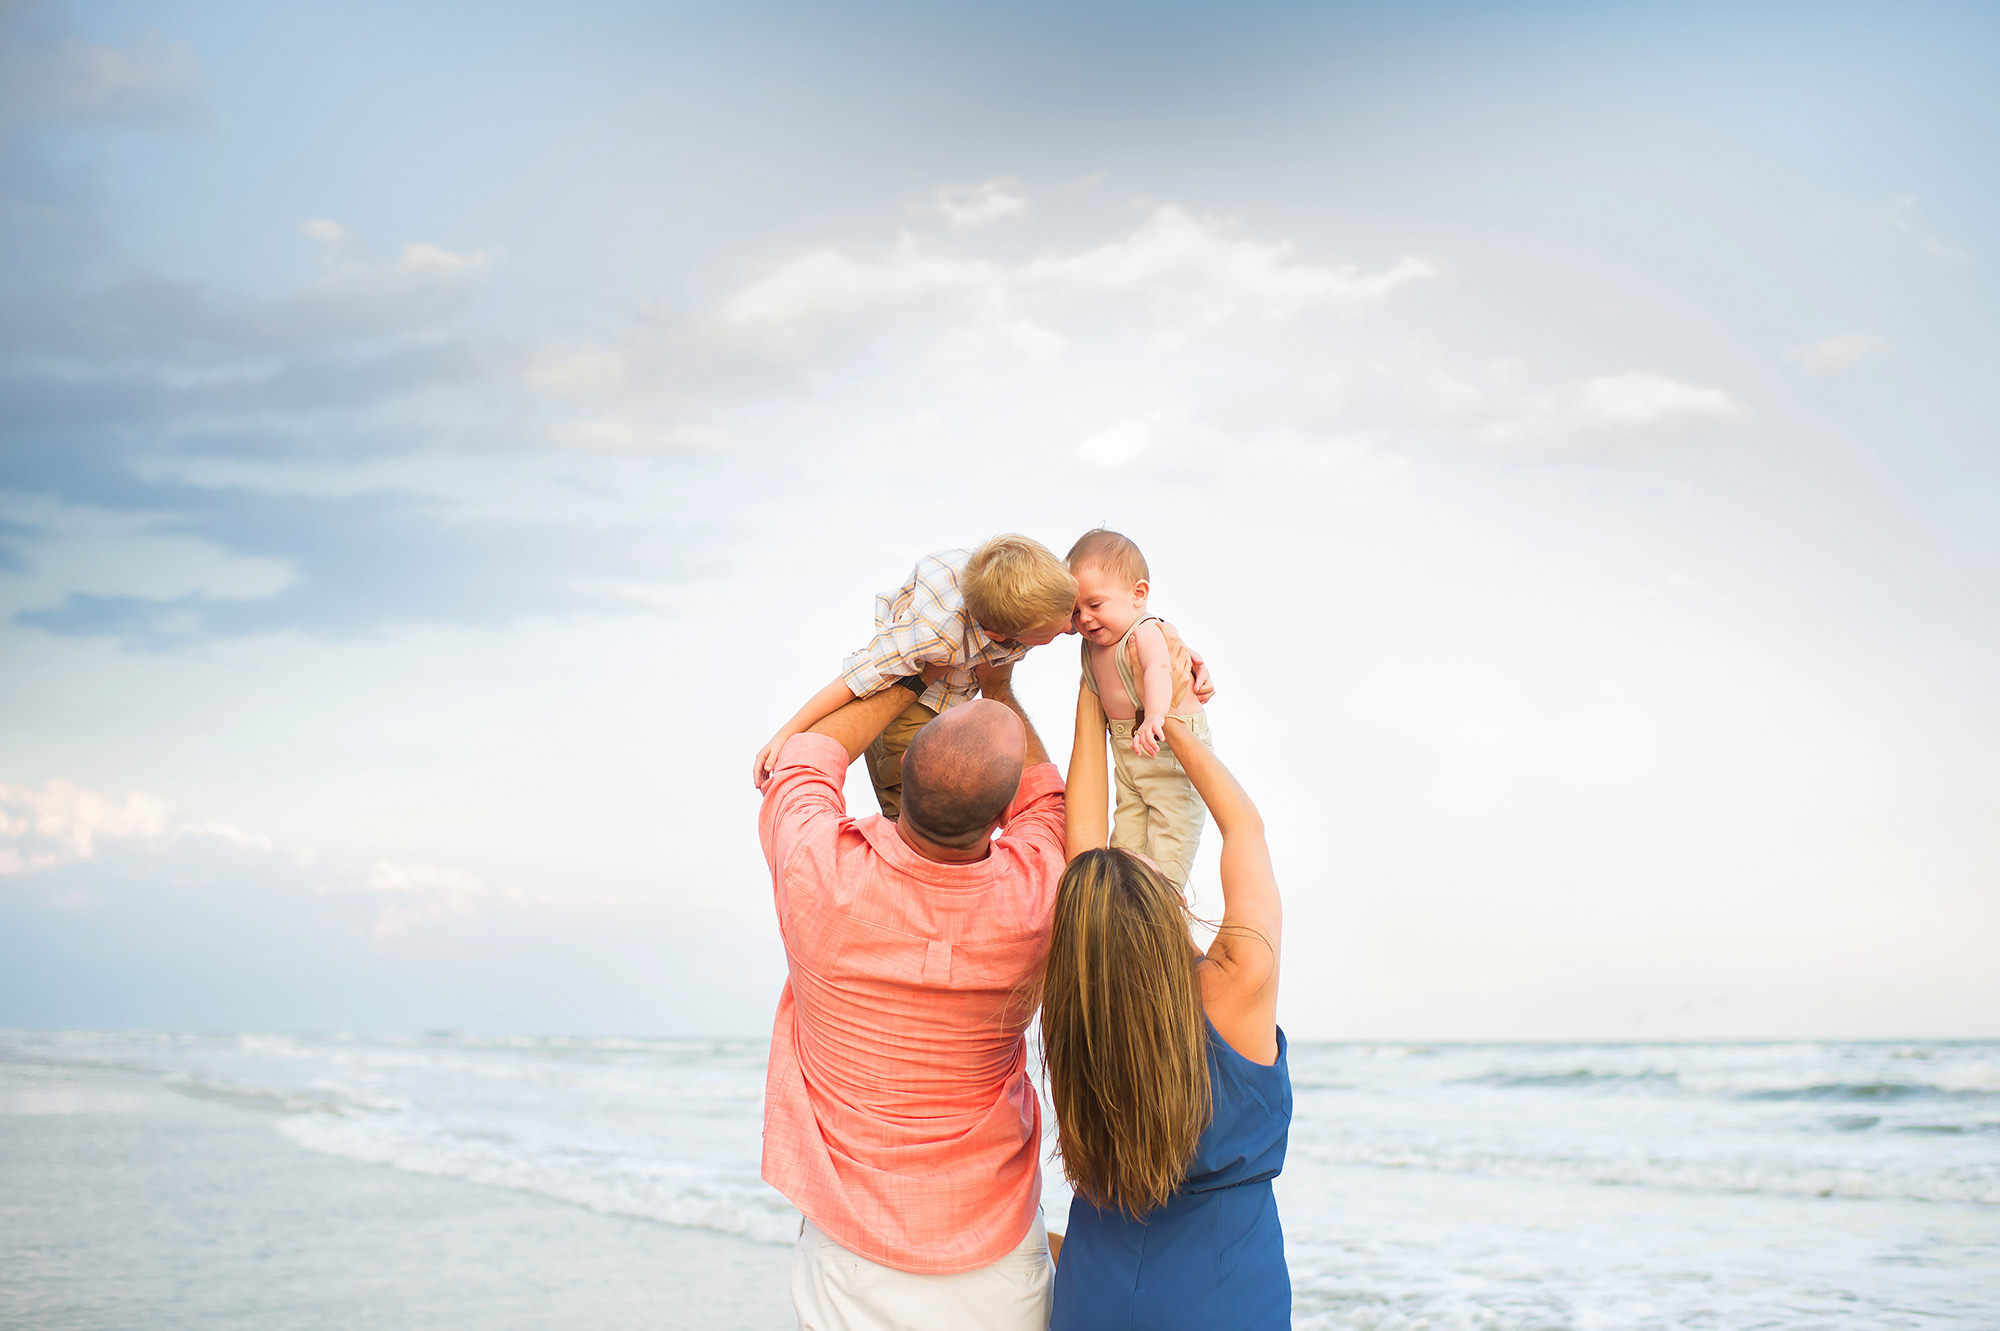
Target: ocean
[(1446, 1187)]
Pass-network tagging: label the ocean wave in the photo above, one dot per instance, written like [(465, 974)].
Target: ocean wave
[(606, 1177), (1574, 1078), (1870, 1090), (1805, 1072), (669, 1129), (1977, 1183)]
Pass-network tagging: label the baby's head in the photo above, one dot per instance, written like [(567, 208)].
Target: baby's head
[(1019, 592), (1111, 585)]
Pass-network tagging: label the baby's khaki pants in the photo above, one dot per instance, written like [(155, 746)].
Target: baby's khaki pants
[(1157, 813)]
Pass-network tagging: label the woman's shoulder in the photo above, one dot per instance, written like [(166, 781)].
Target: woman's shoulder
[(1239, 1013)]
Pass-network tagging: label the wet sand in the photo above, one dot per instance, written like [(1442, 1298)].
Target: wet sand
[(127, 1205)]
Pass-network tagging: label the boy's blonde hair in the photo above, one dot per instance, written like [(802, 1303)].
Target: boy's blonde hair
[(1013, 584), (1111, 552)]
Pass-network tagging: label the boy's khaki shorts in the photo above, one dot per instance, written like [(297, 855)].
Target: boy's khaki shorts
[(885, 756), (1157, 813)]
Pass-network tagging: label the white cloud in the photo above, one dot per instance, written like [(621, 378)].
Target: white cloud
[(619, 435), (968, 206), (1900, 216), (228, 832), (418, 261), (1833, 354), (434, 892), (324, 231), (583, 370), (1186, 272), (1640, 401), (435, 260), (62, 823), (91, 82), (1069, 344), (1606, 413), (1192, 272), (67, 821), (1116, 445)]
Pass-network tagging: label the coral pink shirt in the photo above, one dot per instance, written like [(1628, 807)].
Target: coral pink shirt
[(897, 1109)]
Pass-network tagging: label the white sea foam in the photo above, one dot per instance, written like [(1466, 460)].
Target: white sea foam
[(1450, 1187)]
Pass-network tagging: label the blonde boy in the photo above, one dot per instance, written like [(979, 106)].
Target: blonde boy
[(960, 615), (1157, 813)]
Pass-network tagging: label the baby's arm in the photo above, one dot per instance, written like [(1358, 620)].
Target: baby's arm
[(1156, 687)]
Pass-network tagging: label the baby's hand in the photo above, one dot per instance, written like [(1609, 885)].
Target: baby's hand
[(1149, 734)]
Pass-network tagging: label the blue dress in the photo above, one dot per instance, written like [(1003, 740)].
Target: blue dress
[(1213, 1257)]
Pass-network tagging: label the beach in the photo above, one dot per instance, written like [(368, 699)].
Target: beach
[(167, 1180), (127, 1204)]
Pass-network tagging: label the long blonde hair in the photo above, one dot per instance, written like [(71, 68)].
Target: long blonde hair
[(1124, 1041)]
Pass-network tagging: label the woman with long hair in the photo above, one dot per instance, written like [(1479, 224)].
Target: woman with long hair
[(1166, 1067)]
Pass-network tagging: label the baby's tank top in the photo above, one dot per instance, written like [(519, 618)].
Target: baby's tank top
[(1125, 675)]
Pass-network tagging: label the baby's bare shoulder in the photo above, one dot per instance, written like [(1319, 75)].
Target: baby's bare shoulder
[(1152, 638)]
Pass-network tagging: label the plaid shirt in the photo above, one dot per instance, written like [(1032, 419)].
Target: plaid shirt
[(924, 622)]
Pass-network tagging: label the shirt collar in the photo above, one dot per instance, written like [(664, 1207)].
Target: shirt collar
[(888, 843)]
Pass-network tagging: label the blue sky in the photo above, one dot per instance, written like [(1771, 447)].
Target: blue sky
[(436, 447)]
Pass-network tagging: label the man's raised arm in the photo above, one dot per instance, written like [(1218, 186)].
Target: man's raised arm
[(997, 683), (858, 723)]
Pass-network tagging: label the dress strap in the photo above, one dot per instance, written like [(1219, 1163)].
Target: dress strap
[(1125, 675)]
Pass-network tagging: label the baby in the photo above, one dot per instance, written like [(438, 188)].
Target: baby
[(1158, 813), (960, 613)]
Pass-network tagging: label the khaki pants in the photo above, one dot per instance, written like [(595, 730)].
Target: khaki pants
[(836, 1290), (885, 756), (1157, 813)]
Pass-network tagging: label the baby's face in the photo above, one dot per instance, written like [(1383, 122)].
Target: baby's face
[(1106, 604)]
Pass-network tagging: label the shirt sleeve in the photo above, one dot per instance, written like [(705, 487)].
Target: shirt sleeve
[(803, 804), (1033, 827), (899, 649)]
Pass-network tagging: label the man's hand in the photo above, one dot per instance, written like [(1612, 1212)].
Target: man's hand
[(996, 682), (1183, 667), (1190, 675), (994, 679), (1204, 687)]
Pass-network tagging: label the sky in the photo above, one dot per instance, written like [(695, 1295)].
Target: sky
[(439, 444)]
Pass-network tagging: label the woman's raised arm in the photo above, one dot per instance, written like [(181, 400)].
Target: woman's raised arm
[(1240, 991), (1088, 791)]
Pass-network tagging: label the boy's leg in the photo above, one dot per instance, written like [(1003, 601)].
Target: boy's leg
[(1175, 814), (885, 756), (1128, 815)]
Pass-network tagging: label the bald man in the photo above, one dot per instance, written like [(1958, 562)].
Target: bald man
[(897, 1111)]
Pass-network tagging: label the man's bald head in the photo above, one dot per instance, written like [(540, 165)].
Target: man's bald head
[(962, 771)]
